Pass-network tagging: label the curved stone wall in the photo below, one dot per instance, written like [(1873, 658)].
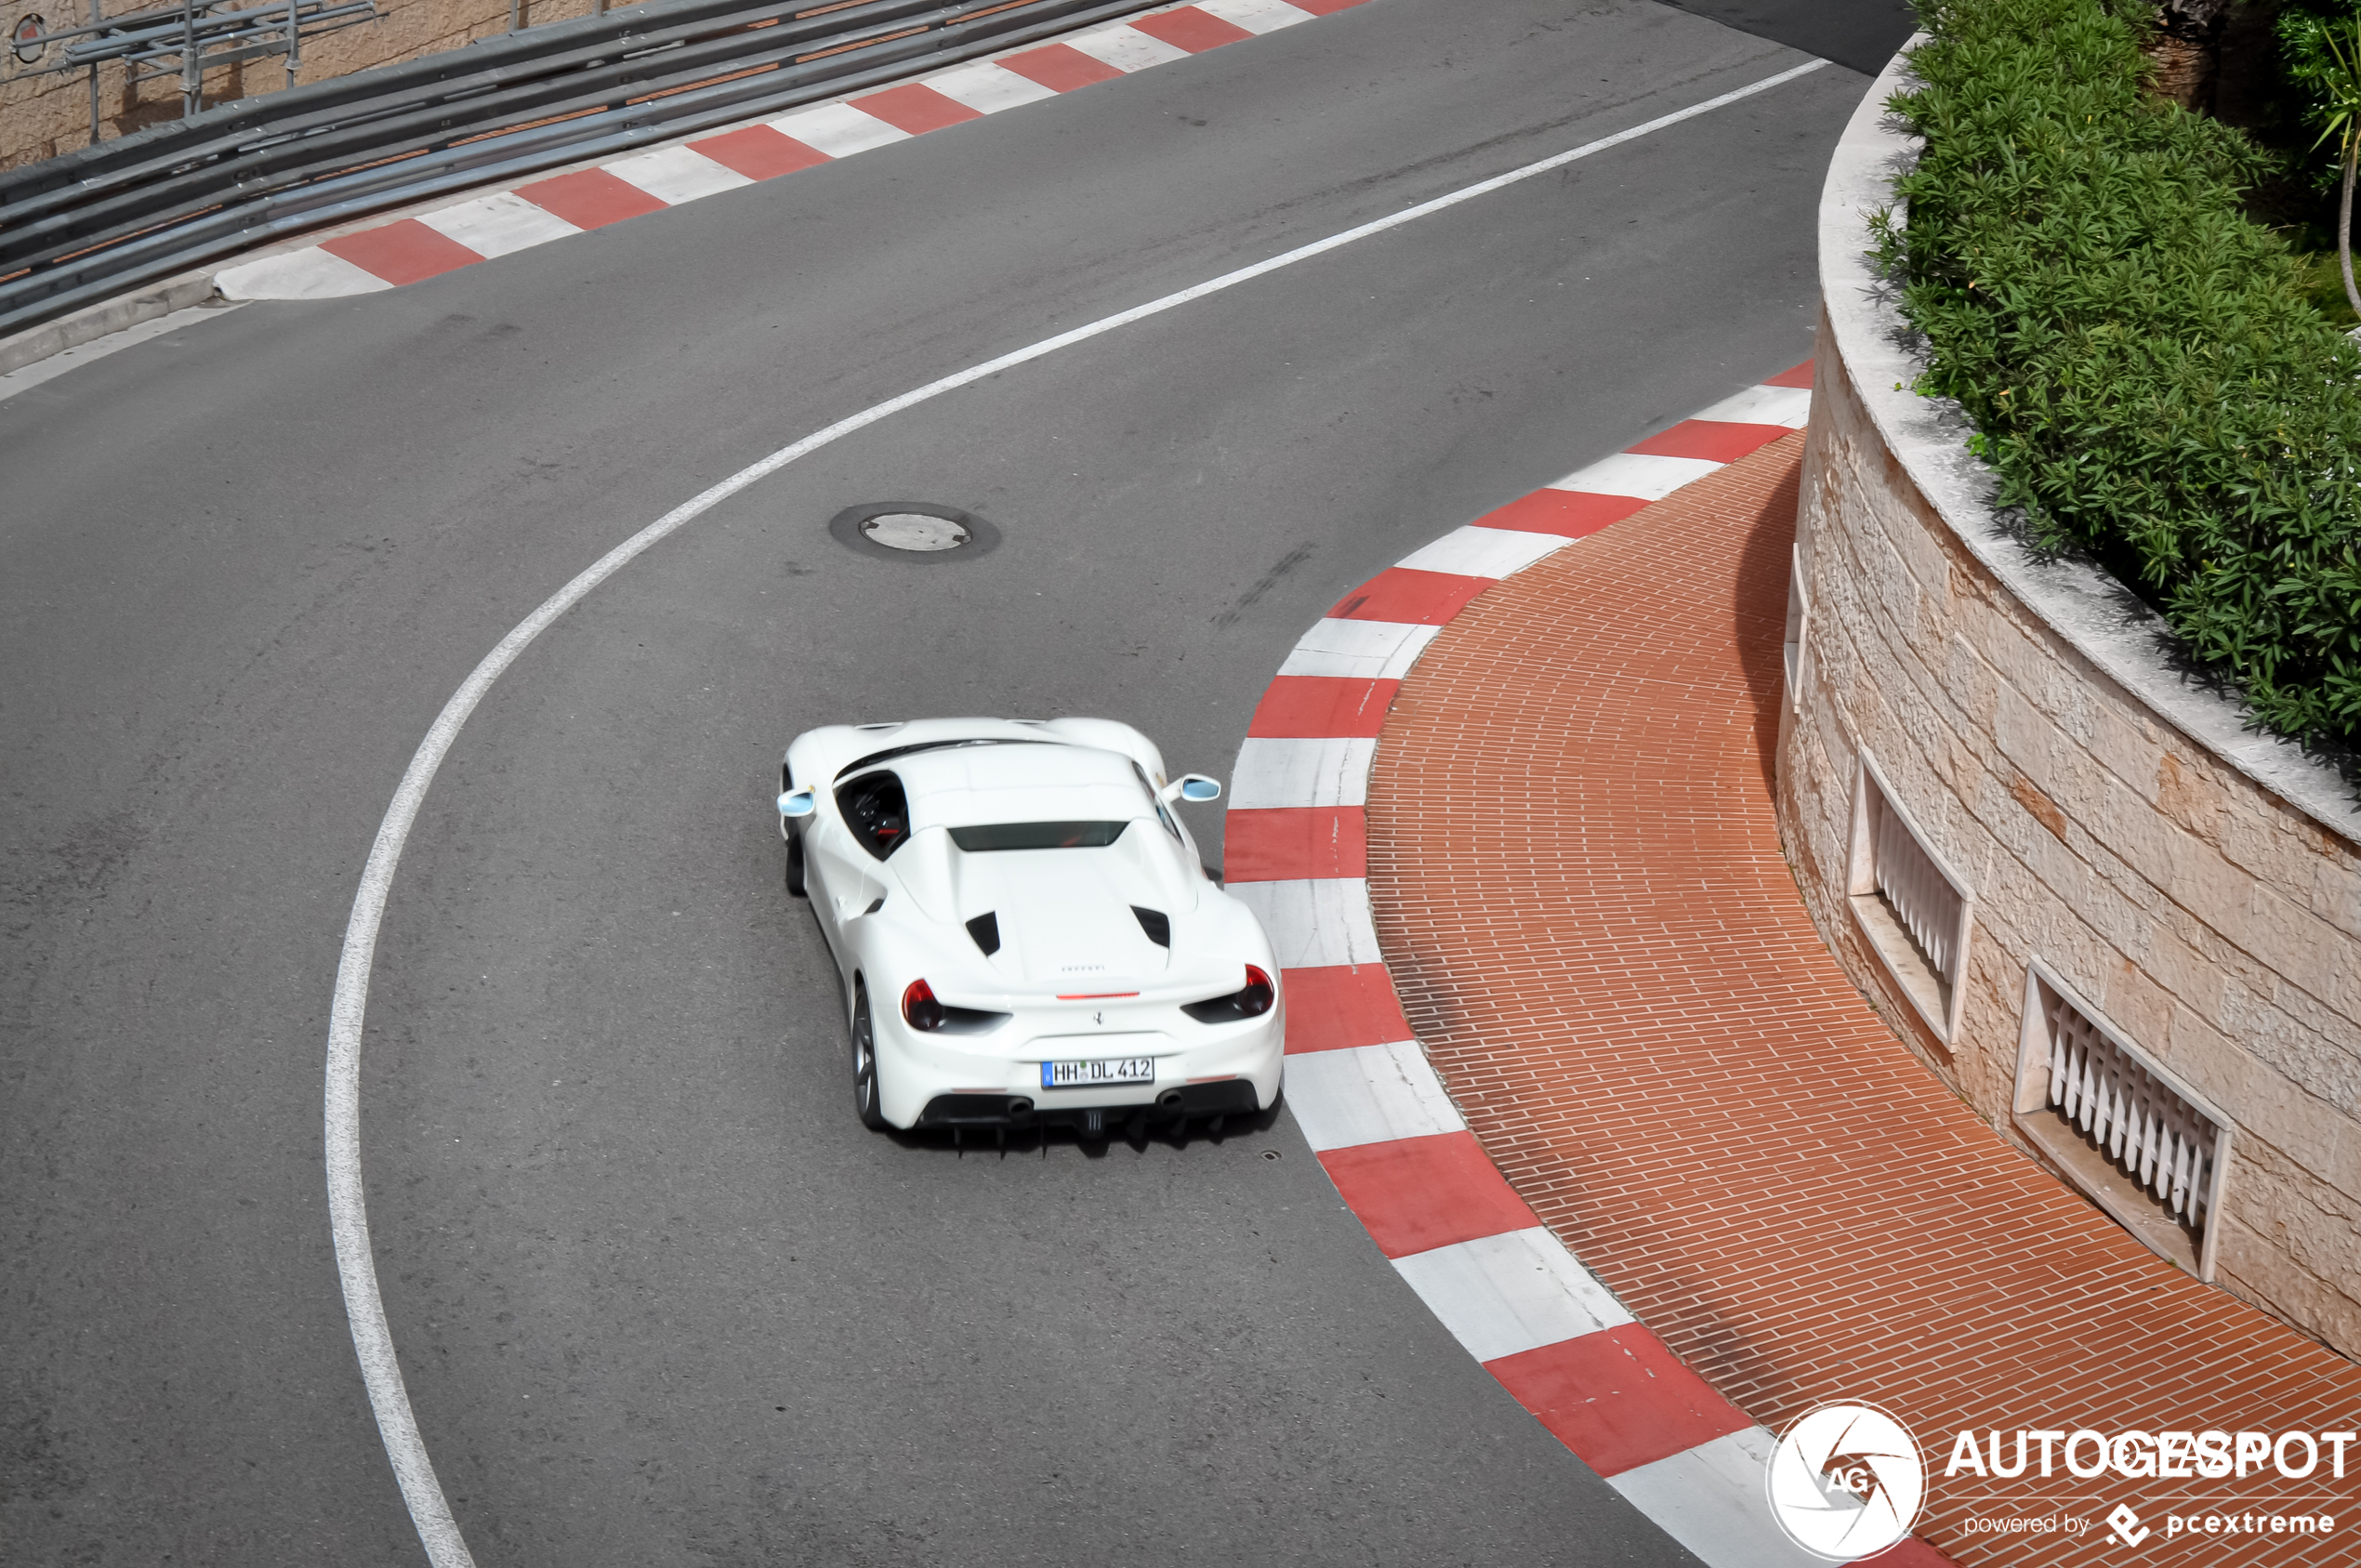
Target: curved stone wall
[(2065, 872)]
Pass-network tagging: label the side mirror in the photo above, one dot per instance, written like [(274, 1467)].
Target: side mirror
[(1194, 787), (798, 803)]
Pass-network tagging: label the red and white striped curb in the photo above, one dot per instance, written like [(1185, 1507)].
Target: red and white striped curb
[(426, 244), (1363, 1091)]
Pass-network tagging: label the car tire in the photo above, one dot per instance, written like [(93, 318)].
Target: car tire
[(864, 1062), (794, 865)]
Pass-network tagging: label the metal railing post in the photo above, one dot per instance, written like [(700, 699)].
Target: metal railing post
[(294, 44), (95, 19), (191, 74)]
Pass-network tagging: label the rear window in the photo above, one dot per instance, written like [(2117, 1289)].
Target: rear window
[(877, 811), (1038, 836)]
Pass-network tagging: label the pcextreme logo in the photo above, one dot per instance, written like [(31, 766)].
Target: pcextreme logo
[(1846, 1481)]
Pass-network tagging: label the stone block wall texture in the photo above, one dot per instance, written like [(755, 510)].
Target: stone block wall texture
[(2213, 922), (42, 116)]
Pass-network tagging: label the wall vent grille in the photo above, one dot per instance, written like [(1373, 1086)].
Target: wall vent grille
[(1915, 911), (2138, 1144)]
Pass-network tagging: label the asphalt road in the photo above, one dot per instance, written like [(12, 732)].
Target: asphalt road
[(659, 1300)]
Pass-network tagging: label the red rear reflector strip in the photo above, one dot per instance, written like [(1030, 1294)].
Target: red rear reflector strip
[(1096, 995)]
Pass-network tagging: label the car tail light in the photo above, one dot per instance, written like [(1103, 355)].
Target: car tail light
[(1251, 1000), (922, 1012)]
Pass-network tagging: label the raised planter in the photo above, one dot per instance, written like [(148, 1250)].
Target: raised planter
[(2121, 925)]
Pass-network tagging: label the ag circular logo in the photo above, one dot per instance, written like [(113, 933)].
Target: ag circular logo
[(1846, 1481)]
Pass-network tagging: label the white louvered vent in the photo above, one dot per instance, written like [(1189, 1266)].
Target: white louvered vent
[(1920, 895), (1799, 624), (2139, 1142), (1914, 911)]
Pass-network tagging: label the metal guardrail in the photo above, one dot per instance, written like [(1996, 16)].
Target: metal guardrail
[(196, 37), (80, 228)]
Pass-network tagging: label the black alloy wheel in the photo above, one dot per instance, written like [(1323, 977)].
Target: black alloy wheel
[(864, 1060), (794, 865)]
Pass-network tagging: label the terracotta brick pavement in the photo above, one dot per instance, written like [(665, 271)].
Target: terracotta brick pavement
[(1578, 887)]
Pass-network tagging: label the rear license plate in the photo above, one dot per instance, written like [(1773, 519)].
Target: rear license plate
[(1091, 1074)]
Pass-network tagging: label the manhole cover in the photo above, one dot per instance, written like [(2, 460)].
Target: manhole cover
[(913, 531)]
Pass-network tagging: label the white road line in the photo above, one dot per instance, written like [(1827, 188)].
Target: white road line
[(348, 1209)]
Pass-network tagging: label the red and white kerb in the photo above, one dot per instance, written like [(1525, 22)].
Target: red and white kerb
[(1361, 1087), (410, 249)]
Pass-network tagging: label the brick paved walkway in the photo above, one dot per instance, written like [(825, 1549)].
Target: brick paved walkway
[(1578, 888)]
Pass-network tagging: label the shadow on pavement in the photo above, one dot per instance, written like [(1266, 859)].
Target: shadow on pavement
[(1858, 34), (1759, 614)]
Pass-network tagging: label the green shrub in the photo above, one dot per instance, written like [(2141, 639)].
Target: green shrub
[(2137, 356), (2307, 70)]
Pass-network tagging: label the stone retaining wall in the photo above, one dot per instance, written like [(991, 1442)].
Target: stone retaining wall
[(2115, 833)]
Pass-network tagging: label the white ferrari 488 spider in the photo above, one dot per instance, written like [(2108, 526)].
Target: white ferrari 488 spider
[(1023, 929)]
